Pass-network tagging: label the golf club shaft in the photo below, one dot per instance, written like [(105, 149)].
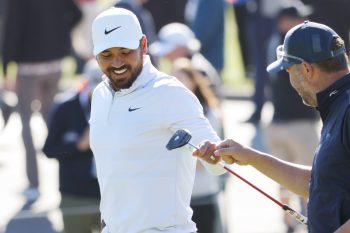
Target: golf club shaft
[(301, 218)]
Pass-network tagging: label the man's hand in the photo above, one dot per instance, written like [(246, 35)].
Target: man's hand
[(345, 228), (232, 152), (206, 152), (83, 143), (228, 150)]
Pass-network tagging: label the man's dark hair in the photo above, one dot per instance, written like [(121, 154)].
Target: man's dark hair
[(340, 62)]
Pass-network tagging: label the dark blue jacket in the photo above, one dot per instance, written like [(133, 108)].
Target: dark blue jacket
[(68, 122), (144, 17), (208, 26), (329, 201), (38, 30)]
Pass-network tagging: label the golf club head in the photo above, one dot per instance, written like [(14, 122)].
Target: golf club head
[(180, 138)]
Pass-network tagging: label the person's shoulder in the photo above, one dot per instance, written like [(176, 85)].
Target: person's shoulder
[(163, 80), (199, 61), (203, 66), (64, 101), (170, 88), (169, 83), (66, 97)]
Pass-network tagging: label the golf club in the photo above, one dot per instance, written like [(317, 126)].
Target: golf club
[(183, 137)]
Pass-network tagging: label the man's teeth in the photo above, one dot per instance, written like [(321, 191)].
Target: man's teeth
[(119, 71)]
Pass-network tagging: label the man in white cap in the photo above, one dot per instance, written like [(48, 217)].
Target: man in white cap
[(315, 57), (135, 111)]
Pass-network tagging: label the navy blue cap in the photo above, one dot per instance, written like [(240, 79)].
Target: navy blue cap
[(310, 42)]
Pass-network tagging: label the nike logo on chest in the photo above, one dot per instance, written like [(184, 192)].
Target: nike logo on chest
[(133, 109)]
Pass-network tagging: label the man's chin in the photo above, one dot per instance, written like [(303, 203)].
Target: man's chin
[(122, 85), (309, 103)]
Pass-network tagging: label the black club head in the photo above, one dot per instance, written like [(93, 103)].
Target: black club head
[(179, 139)]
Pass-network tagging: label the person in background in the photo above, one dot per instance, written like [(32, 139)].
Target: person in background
[(164, 11), (315, 57), (241, 17), (134, 112), (204, 200), (260, 25), (335, 14), (209, 30), (68, 142), (145, 18), (37, 38), (292, 134), (176, 40), (143, 15), (5, 107), (81, 38)]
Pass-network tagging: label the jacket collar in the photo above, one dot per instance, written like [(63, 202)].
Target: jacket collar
[(327, 97)]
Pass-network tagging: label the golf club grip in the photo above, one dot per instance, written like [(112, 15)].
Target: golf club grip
[(301, 218)]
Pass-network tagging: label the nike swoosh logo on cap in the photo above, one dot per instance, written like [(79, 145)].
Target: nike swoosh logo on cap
[(109, 31)]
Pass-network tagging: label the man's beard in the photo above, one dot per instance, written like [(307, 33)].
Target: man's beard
[(134, 74)]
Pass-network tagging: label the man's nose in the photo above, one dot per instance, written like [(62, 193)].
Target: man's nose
[(118, 61)]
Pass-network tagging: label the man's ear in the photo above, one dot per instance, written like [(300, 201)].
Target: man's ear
[(144, 44), (308, 70)]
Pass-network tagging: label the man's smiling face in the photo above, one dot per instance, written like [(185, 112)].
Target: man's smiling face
[(122, 65)]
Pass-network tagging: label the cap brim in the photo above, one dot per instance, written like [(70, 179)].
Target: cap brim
[(160, 49), (129, 44), (278, 65)]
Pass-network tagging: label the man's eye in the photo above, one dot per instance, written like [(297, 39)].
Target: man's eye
[(125, 52), (105, 54)]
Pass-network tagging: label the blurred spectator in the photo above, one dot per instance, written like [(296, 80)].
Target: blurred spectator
[(143, 15), (335, 14), (241, 17), (208, 27), (81, 34), (292, 133), (145, 18), (5, 107), (166, 11), (2, 13), (261, 24), (68, 142), (204, 201), (37, 38), (176, 40)]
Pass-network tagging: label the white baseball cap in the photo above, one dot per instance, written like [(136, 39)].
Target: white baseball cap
[(172, 36), (116, 27)]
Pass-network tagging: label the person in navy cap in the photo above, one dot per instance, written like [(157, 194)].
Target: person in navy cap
[(293, 132), (315, 57)]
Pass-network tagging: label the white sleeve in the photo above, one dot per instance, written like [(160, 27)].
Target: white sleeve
[(183, 111)]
